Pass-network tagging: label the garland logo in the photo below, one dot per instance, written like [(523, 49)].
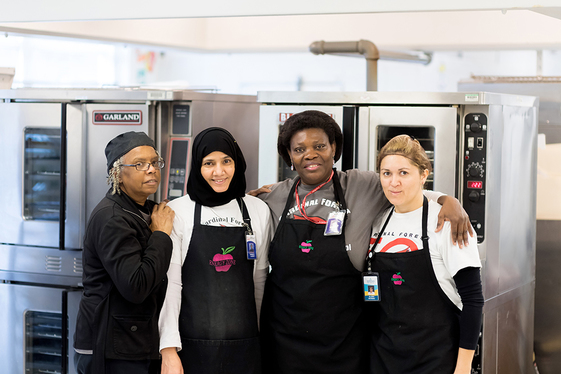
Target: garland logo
[(117, 117)]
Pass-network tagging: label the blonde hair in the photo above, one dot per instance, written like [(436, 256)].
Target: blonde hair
[(408, 147), (114, 178)]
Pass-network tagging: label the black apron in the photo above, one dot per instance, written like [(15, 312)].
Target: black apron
[(416, 329), (218, 318), (311, 320)]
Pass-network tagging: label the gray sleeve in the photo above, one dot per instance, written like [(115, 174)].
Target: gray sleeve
[(366, 202), (276, 199)]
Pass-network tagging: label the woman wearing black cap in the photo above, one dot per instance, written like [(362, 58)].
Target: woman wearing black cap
[(219, 264), (127, 250)]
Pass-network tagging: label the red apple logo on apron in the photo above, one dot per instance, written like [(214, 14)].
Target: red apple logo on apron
[(306, 246), (223, 262), (397, 279)]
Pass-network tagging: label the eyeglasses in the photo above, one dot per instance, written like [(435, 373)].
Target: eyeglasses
[(144, 166)]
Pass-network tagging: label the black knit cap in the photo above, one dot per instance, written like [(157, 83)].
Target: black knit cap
[(123, 143)]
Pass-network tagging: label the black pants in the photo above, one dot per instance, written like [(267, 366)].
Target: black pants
[(83, 365)]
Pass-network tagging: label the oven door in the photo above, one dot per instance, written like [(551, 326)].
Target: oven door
[(37, 329), (43, 188), (436, 128)]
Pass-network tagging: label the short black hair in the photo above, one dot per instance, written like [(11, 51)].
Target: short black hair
[(309, 119)]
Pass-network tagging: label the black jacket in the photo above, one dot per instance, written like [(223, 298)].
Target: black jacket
[(125, 281)]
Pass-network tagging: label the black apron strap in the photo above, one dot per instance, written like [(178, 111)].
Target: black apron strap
[(197, 215), (371, 253), (289, 199), (245, 214), (339, 195), (425, 237)]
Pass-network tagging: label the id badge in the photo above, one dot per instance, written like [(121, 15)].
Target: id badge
[(250, 247), (334, 225), (371, 287)]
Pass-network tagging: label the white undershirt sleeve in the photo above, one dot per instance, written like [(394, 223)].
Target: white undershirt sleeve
[(433, 195), (168, 323), (169, 316), (259, 283)]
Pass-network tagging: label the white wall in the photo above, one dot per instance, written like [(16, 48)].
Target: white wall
[(53, 62), (249, 73), (47, 62)]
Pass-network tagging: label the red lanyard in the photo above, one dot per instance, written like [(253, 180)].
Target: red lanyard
[(301, 207)]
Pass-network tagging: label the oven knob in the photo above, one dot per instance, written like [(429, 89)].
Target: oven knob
[(474, 196), (475, 170), (475, 127)]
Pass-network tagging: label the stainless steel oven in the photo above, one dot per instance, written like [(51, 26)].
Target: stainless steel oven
[(52, 144), (41, 320), (548, 225), (484, 149)]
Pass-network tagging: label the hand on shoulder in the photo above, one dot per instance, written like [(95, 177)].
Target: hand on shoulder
[(162, 218), (263, 189)]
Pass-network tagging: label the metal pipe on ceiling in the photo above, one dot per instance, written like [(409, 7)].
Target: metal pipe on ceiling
[(371, 53)]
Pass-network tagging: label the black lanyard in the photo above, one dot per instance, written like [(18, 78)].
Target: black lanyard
[(371, 253)]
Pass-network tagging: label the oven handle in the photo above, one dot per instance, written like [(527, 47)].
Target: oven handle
[(64, 348), (349, 123), (63, 151), (68, 307)]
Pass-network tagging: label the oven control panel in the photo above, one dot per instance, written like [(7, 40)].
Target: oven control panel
[(177, 165), (475, 170)]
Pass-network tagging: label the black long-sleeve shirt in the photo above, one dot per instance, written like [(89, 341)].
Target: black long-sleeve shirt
[(468, 284)]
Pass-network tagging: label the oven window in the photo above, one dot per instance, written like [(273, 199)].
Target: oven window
[(41, 177), (43, 342), (425, 136)]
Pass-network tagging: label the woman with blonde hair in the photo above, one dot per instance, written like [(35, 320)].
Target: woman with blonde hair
[(429, 314)]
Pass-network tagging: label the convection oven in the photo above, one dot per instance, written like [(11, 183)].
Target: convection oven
[(483, 148), (548, 225)]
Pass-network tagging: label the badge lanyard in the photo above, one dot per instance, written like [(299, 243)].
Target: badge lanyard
[(250, 246), (371, 286), (302, 209), (370, 255)]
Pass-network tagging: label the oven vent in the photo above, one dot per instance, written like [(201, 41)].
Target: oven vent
[(53, 263), (78, 269)]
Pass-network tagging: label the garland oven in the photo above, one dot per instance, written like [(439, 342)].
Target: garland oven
[(53, 143), (483, 150)]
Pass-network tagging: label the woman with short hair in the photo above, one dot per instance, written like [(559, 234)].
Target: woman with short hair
[(126, 255)]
